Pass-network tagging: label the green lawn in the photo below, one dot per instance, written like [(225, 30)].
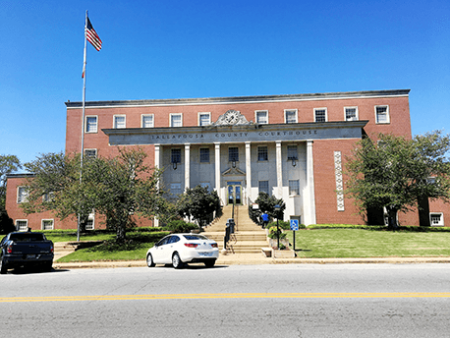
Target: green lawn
[(346, 243)]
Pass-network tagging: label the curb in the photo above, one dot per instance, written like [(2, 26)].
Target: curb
[(242, 261)]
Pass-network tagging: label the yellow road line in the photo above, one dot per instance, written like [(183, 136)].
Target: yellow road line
[(225, 296)]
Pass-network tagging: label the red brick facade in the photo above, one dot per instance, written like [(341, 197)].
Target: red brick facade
[(397, 122)]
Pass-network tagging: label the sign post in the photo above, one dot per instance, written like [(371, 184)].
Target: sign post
[(294, 228)]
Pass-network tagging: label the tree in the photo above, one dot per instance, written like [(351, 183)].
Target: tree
[(8, 165), (395, 173), (267, 203), (117, 188), (199, 204), (123, 187), (56, 186)]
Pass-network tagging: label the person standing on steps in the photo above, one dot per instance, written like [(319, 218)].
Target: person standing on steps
[(265, 219)]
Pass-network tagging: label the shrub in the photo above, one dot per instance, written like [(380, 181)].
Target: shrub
[(273, 233), (180, 226)]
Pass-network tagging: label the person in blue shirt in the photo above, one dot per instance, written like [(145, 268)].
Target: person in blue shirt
[(265, 219)]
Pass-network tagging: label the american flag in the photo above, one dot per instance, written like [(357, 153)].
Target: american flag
[(92, 36)]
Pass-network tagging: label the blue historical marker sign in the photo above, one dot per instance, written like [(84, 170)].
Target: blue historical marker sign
[(294, 224)]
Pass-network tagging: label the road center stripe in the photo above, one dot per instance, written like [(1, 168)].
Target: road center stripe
[(224, 296)]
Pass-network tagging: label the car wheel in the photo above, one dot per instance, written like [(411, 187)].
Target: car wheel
[(210, 264), (150, 262), (48, 266), (176, 261), (3, 267)]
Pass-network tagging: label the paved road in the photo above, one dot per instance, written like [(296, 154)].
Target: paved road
[(237, 301)]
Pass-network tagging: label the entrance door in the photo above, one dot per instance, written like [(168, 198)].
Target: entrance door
[(234, 193)]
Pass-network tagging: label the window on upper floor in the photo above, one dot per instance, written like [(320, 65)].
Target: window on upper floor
[(204, 119), (351, 113), (262, 153), (204, 155), (119, 122), (262, 117), (91, 124), (22, 194), (290, 116), (175, 155), (176, 120), (292, 153), (382, 114), (233, 154), (320, 115), (147, 121)]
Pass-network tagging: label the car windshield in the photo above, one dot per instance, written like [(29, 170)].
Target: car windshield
[(27, 237), (195, 237)]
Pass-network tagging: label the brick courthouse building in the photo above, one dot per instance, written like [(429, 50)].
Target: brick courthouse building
[(286, 145)]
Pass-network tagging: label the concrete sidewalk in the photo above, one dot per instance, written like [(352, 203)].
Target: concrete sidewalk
[(259, 259)]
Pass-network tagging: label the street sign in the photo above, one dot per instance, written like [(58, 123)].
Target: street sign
[(294, 224)]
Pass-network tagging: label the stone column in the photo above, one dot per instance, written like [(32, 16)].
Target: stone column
[(310, 200), (157, 166), (248, 168), (279, 170), (217, 168), (187, 166)]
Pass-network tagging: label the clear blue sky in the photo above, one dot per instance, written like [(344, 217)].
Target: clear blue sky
[(184, 49)]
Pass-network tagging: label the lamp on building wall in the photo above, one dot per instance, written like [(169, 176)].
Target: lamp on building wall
[(294, 162), (233, 164), (277, 212), (174, 165)]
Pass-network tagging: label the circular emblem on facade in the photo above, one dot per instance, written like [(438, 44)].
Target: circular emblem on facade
[(232, 116)]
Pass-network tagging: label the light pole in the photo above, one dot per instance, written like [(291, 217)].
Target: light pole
[(277, 211)]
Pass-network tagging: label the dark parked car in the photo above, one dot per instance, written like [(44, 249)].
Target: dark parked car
[(25, 249)]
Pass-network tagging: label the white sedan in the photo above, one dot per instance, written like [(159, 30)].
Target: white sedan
[(179, 249)]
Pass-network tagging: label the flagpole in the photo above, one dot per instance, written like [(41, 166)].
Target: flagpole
[(83, 117)]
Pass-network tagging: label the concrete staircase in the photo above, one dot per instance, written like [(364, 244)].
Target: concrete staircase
[(248, 238)]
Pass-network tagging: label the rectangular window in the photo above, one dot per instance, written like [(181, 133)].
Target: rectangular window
[(290, 116), (147, 121), (436, 219), (119, 122), (175, 156), (22, 194), (204, 119), (262, 117), (382, 114), (21, 225), (294, 188), (262, 154), (351, 113), (233, 154), (90, 153), (48, 197), (292, 154), (176, 120), (47, 224), (263, 186), (91, 124), (204, 155), (320, 115), (175, 189)]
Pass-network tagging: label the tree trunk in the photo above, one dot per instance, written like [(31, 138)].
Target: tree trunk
[(392, 219)]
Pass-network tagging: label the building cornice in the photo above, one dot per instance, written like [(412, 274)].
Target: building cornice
[(236, 133), (240, 99)]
